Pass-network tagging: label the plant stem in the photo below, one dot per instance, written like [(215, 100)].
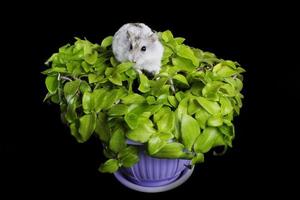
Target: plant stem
[(172, 85)]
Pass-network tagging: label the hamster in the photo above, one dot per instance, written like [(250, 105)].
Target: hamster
[(137, 43)]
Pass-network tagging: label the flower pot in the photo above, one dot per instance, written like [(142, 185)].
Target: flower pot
[(154, 174)]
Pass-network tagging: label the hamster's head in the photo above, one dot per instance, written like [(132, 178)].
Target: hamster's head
[(141, 46)]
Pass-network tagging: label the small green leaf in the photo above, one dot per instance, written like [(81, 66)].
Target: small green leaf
[(144, 83), (172, 100), (106, 42), (123, 67), (223, 70), (102, 129), (110, 166), (84, 87), (210, 106), (117, 141), (91, 58), (202, 116), (118, 110), (226, 106), (190, 130), (166, 123), (199, 158), (186, 52), (171, 150), (155, 144), (133, 98), (86, 67), (93, 78), (151, 100), (87, 102), (206, 140), (87, 126), (193, 106), (183, 64), (71, 115), (75, 133), (51, 84), (70, 89), (128, 156), (167, 36), (179, 40), (142, 132), (182, 107), (181, 79), (215, 121)]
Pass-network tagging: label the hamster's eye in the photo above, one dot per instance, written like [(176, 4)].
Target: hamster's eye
[(143, 48), (130, 47)]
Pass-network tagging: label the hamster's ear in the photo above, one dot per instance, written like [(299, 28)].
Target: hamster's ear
[(128, 35), (153, 37)]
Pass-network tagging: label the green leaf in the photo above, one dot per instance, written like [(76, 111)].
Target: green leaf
[(87, 102), (155, 144), (102, 129), (190, 130), (116, 79), (227, 90), (71, 115), (142, 132), (193, 106), (117, 141), (98, 98), (86, 67), (87, 126), (123, 67), (118, 110), (91, 58), (128, 156), (206, 140), (202, 116), (223, 70), (151, 100), (144, 83), (51, 84), (226, 106), (84, 87), (186, 52), (171, 150), (75, 133), (197, 88), (179, 40), (183, 64), (110, 166), (167, 36), (172, 100), (215, 121), (182, 107), (93, 78), (166, 123), (106, 42), (133, 98), (199, 158), (210, 106), (70, 89), (210, 90), (181, 79)]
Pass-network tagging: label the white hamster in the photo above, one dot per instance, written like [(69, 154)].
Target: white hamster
[(137, 43)]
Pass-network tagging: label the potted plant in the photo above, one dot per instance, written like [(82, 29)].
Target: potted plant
[(153, 129)]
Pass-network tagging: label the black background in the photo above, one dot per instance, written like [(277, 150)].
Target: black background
[(40, 155)]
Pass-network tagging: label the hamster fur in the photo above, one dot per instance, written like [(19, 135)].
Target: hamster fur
[(137, 43)]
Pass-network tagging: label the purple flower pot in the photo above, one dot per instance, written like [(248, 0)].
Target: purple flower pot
[(153, 172)]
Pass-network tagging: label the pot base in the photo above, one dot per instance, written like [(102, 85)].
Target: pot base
[(153, 189)]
